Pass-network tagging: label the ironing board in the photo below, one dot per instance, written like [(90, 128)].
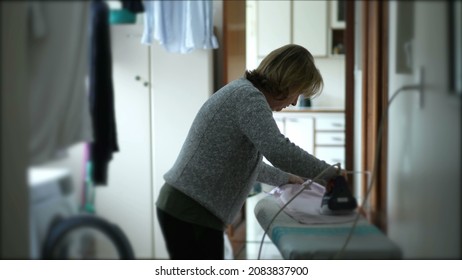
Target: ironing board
[(301, 241)]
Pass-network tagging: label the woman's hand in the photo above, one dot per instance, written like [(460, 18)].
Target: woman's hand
[(294, 179), (330, 183)]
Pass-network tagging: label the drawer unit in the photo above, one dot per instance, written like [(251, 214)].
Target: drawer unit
[(330, 138), (330, 124), (331, 155), (319, 133)]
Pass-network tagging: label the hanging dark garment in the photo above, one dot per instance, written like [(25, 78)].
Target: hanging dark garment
[(134, 6), (101, 94)]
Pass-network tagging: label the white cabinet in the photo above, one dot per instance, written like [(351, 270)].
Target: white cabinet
[(298, 128), (273, 25), (329, 138), (310, 26), (284, 22), (156, 100), (127, 199), (320, 133)]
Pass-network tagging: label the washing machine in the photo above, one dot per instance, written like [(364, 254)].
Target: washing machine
[(51, 199), (59, 231)]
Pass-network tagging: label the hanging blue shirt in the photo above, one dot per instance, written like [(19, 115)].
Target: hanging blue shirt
[(180, 26)]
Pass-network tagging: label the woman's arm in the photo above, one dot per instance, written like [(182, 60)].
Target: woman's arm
[(256, 121), (273, 176)]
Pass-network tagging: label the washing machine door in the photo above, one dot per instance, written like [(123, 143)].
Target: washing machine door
[(86, 237)]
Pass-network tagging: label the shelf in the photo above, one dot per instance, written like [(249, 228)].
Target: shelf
[(338, 38)]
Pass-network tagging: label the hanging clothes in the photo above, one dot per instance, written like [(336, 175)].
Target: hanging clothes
[(57, 68), (101, 94), (180, 26), (134, 6)]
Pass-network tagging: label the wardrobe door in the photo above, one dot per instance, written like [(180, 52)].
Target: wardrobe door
[(127, 199)]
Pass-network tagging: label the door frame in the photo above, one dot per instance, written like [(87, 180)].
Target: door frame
[(375, 63)]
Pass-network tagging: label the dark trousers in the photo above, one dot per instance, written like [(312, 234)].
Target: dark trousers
[(187, 241)]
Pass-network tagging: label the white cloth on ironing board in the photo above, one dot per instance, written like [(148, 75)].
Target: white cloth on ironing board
[(305, 208)]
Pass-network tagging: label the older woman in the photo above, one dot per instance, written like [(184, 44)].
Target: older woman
[(221, 158)]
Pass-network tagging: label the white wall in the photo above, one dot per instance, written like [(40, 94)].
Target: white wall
[(332, 70), (177, 94), (424, 216)]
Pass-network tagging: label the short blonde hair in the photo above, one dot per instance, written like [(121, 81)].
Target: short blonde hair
[(286, 71)]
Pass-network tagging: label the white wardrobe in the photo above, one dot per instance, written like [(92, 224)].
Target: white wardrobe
[(157, 95)]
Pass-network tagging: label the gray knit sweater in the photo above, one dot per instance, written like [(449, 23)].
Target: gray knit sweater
[(222, 156)]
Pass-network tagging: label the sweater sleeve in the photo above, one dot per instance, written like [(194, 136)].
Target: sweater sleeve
[(272, 176), (256, 121)]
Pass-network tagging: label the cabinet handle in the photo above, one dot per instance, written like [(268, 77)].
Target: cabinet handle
[(337, 138), (337, 124), (146, 84), (137, 78)]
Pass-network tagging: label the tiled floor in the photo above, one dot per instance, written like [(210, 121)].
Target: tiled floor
[(255, 234)]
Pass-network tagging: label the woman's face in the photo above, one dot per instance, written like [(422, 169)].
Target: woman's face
[(278, 105)]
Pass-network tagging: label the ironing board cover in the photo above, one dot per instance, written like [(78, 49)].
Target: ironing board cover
[(322, 241)]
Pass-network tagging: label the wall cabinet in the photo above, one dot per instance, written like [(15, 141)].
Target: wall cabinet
[(310, 26), (284, 22), (337, 27), (337, 14), (317, 25), (272, 31)]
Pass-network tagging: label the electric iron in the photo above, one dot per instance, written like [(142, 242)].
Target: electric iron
[(337, 199)]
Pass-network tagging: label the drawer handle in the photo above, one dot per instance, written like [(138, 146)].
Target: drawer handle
[(337, 124), (337, 138)]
